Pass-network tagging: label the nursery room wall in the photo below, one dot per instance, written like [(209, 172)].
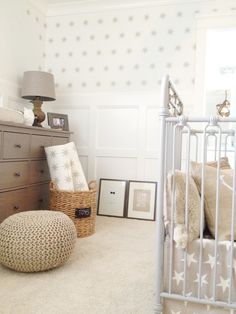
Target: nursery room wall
[(108, 61), (22, 32)]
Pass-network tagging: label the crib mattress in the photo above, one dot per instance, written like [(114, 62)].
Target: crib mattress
[(207, 273)]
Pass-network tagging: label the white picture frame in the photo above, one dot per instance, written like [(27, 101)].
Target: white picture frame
[(112, 197), (142, 200)]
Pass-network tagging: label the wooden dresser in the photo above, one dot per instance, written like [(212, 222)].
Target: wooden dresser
[(24, 174)]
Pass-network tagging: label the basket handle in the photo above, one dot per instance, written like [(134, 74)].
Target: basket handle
[(92, 185)]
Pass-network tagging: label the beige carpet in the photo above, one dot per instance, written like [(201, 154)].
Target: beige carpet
[(110, 272)]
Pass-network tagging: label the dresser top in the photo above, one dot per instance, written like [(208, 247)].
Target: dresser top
[(22, 128)]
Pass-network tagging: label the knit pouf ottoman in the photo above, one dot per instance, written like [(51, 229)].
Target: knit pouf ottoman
[(36, 240)]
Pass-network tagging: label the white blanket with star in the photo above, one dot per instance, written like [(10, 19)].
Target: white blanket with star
[(65, 168)]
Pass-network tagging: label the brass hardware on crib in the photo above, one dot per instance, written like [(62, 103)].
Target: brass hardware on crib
[(18, 145), (224, 109), (175, 105)]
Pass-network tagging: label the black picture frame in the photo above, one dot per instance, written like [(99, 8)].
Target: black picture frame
[(112, 197)]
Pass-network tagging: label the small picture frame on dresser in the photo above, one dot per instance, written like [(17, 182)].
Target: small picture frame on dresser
[(58, 121)]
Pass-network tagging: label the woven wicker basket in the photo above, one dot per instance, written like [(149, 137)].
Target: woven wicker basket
[(79, 206)]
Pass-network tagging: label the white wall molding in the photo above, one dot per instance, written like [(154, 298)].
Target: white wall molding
[(83, 7), (116, 141)]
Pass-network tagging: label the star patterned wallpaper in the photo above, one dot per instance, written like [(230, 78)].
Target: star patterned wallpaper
[(127, 49)]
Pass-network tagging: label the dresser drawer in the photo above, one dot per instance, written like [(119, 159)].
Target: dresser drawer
[(38, 143), (12, 202), (15, 145), (39, 171), (38, 197), (59, 140), (13, 174)]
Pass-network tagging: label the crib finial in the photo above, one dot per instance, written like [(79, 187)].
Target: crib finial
[(213, 121), (182, 121)]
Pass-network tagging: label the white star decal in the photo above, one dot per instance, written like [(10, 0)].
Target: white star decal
[(203, 279), (178, 277), (211, 261), (190, 259), (224, 283)]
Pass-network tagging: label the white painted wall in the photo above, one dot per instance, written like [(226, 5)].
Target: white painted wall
[(108, 61), (22, 33)]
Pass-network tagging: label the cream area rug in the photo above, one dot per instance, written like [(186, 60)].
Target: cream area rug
[(110, 272)]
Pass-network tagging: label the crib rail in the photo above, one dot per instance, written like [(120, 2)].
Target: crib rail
[(183, 140)]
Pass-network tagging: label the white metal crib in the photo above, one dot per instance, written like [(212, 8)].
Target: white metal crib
[(182, 140)]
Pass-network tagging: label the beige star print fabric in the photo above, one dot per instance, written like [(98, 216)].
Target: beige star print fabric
[(207, 275), (65, 168), (180, 307)]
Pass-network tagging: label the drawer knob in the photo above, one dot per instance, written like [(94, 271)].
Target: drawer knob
[(42, 171), (16, 207), (17, 174), (18, 145), (41, 200)]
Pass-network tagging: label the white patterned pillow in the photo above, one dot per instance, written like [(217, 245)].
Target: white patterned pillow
[(58, 158), (79, 180), (65, 167)]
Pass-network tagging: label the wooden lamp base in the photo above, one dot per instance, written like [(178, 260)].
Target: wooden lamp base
[(38, 113)]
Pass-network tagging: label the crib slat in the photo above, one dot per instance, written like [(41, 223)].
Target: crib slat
[(186, 203), (232, 228), (204, 152), (217, 214), (172, 209)]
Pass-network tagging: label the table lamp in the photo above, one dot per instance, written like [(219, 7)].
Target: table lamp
[(38, 86)]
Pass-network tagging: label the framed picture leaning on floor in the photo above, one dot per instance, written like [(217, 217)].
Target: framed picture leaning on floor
[(142, 200), (112, 197)]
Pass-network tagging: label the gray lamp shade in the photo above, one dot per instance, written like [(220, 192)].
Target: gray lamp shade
[(38, 84)]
